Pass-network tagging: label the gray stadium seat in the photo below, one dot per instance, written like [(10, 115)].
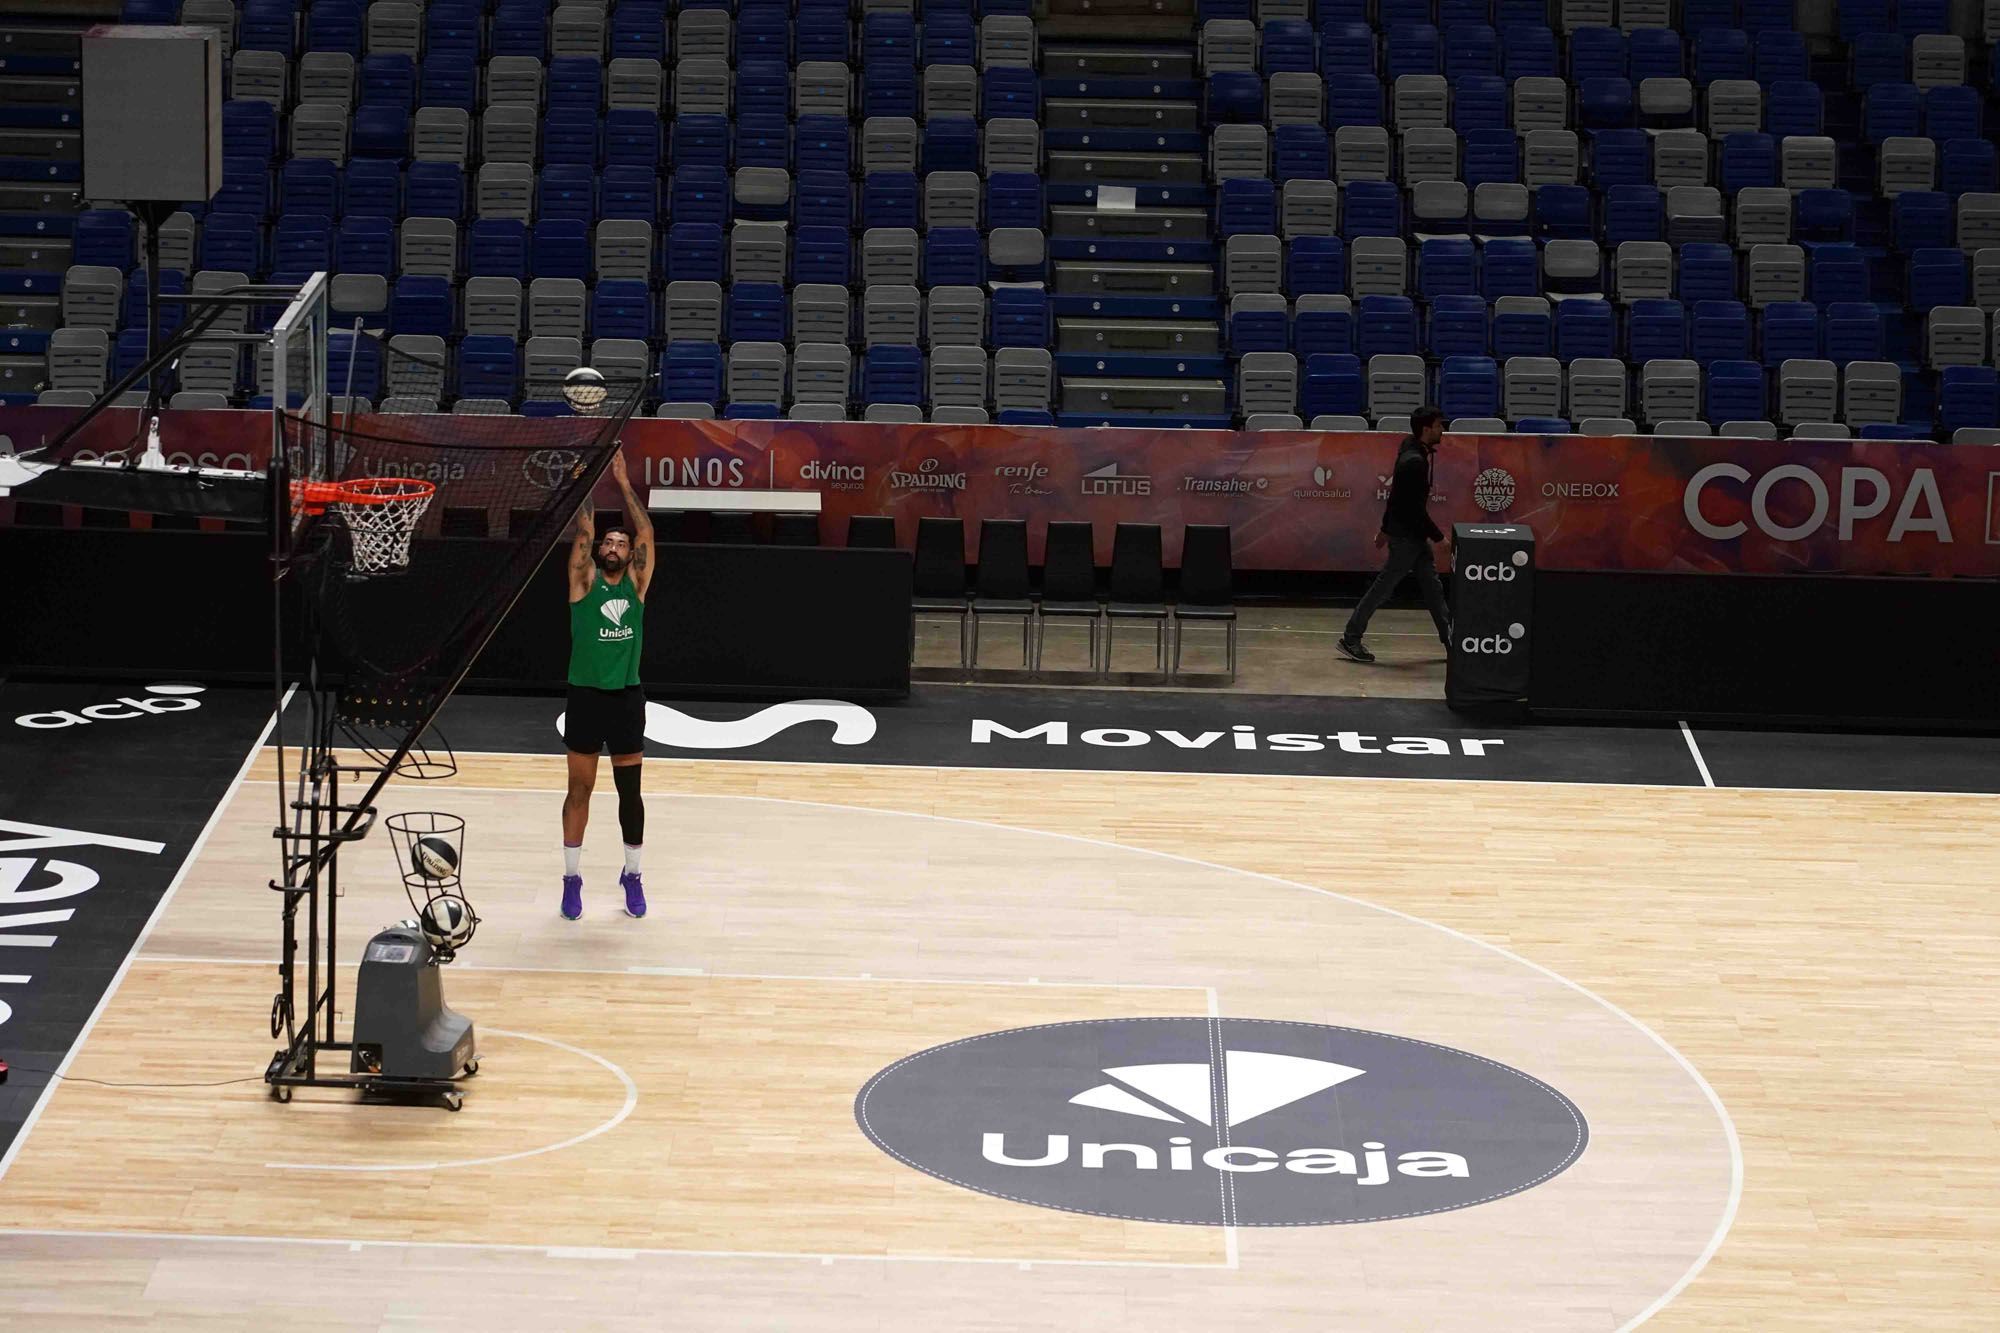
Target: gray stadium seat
[(817, 412), (1735, 106), (892, 143), (429, 248), (395, 28), (1540, 103), (821, 373), (756, 373), (890, 256), (1360, 153), (1808, 162), (1296, 98), (558, 308), (633, 84), (192, 400), (1776, 273), (1955, 336), (960, 416), (1006, 40), (1267, 382), (951, 199), (1430, 155), (320, 130), (759, 252), (702, 86), (1808, 390), (79, 359), (1682, 427), (257, 75), (1378, 265), (577, 30), (686, 411), (482, 407), (1228, 46), (1978, 221), (623, 249), (441, 134), (820, 313), (1606, 426), (1763, 216), (1669, 391), (826, 88), (1937, 60), (1531, 386), (1011, 145), (1694, 213), (768, 189), (506, 190), (891, 315), (1239, 152), (1645, 270), (514, 81), (1336, 421), (702, 33), (1872, 393), (1420, 101), (1272, 421), (91, 295), (955, 317), (894, 413), (1747, 430), (620, 358), (949, 90), (545, 360), (1597, 388), (958, 377), (1907, 164), (1549, 157), (1253, 264), (414, 368), (1023, 378), (327, 76), (1396, 384)]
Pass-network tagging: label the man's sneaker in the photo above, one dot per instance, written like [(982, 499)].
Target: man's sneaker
[(1352, 650), (572, 903), (635, 893)]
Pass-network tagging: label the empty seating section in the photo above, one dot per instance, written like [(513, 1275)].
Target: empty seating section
[(767, 204), (1524, 211)]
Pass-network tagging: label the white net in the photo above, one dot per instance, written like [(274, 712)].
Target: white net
[(381, 515)]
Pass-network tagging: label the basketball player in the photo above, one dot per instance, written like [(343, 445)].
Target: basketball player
[(608, 577)]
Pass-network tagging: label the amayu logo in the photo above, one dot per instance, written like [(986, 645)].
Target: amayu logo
[(157, 699), (1221, 1121)]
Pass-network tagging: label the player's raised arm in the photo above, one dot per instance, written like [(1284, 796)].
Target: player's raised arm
[(641, 524), (580, 548)]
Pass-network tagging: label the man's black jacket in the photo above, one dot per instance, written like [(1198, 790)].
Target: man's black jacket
[(1408, 511)]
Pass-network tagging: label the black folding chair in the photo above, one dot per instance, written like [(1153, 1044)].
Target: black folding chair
[(938, 583), (795, 530), (873, 530), (1207, 587), (1069, 584), (1138, 587), (1001, 588)]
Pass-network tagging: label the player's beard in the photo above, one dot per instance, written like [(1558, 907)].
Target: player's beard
[(612, 564)]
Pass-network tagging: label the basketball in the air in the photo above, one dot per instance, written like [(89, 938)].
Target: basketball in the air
[(448, 922), (434, 858), (584, 388)]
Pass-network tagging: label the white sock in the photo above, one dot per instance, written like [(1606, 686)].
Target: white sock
[(631, 859), (572, 858)]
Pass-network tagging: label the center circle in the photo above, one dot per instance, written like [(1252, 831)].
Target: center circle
[(1221, 1121)]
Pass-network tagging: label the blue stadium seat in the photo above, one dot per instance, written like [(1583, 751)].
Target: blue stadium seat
[(764, 31), (389, 80), (1654, 53), (701, 141), (1469, 386), (1837, 272), (421, 305), (695, 252), (1968, 397), (763, 87), (1234, 97), (822, 199), (1891, 110), (823, 32), (1852, 331), (1014, 199), (1332, 385), (1410, 49), (892, 375), (1510, 266), (519, 29), (888, 41), (1522, 333), (1018, 317), (757, 312), (825, 143), (569, 136), (1596, 53), (1821, 217), (1289, 46), (1385, 325), (104, 236), (1656, 330), (949, 38), (1937, 277), (1480, 103), (1780, 53), (1371, 208), (1707, 272), (764, 141), (1790, 331), (267, 25), (365, 245), (1353, 99), (1246, 207), (1879, 57), (1315, 265), (954, 257), (1748, 160), (1720, 332), (1317, 331), (631, 139), (1794, 106), (1969, 166), (1952, 113), (1736, 392), (1490, 156), (1457, 327), (1603, 104), (1010, 90), (1722, 53), (1921, 219), (1698, 16), (1300, 152), (1471, 50), (638, 30), (1585, 328), (497, 248), (631, 193), (888, 90), (354, 363), (1562, 212), (691, 372), (560, 248), (233, 242), (305, 185), (567, 192), (448, 80), (488, 367), (1445, 268), (1259, 331), (436, 190), (334, 25), (1528, 50), (1347, 49), (1621, 157), (1633, 213), (891, 199), (249, 130), (699, 194), (822, 254), (1916, 17)]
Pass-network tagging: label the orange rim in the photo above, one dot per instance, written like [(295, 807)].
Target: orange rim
[(313, 497)]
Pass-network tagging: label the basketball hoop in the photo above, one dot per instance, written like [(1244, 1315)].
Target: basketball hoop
[(381, 514)]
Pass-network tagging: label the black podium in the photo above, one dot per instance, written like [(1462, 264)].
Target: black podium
[(1493, 612)]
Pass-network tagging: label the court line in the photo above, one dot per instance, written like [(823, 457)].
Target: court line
[(631, 1101), (1699, 762), (570, 1251), (1566, 784), (159, 910), (690, 973)]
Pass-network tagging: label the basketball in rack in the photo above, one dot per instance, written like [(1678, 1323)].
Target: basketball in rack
[(381, 514)]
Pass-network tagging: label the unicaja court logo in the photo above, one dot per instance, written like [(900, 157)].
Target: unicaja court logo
[(1221, 1122)]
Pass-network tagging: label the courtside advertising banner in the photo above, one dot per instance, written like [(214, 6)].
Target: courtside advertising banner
[(1299, 500)]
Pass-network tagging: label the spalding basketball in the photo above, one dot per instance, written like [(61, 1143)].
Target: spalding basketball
[(584, 388), (434, 858)]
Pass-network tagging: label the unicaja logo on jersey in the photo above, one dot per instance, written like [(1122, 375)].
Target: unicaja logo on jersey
[(1221, 1122), (157, 699), (614, 609)]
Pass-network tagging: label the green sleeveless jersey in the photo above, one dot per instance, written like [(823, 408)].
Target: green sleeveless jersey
[(607, 628)]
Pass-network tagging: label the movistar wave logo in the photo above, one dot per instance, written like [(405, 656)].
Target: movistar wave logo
[(665, 725)]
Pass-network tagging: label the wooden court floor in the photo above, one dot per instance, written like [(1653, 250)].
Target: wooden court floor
[(1776, 1009)]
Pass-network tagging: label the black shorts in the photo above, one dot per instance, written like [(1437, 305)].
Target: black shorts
[(605, 719)]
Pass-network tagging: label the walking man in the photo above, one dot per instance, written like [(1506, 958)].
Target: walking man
[(1408, 532), (609, 573)]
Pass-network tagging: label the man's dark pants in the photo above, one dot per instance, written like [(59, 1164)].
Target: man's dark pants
[(1407, 555)]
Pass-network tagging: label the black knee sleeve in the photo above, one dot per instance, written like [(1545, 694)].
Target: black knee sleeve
[(631, 808)]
